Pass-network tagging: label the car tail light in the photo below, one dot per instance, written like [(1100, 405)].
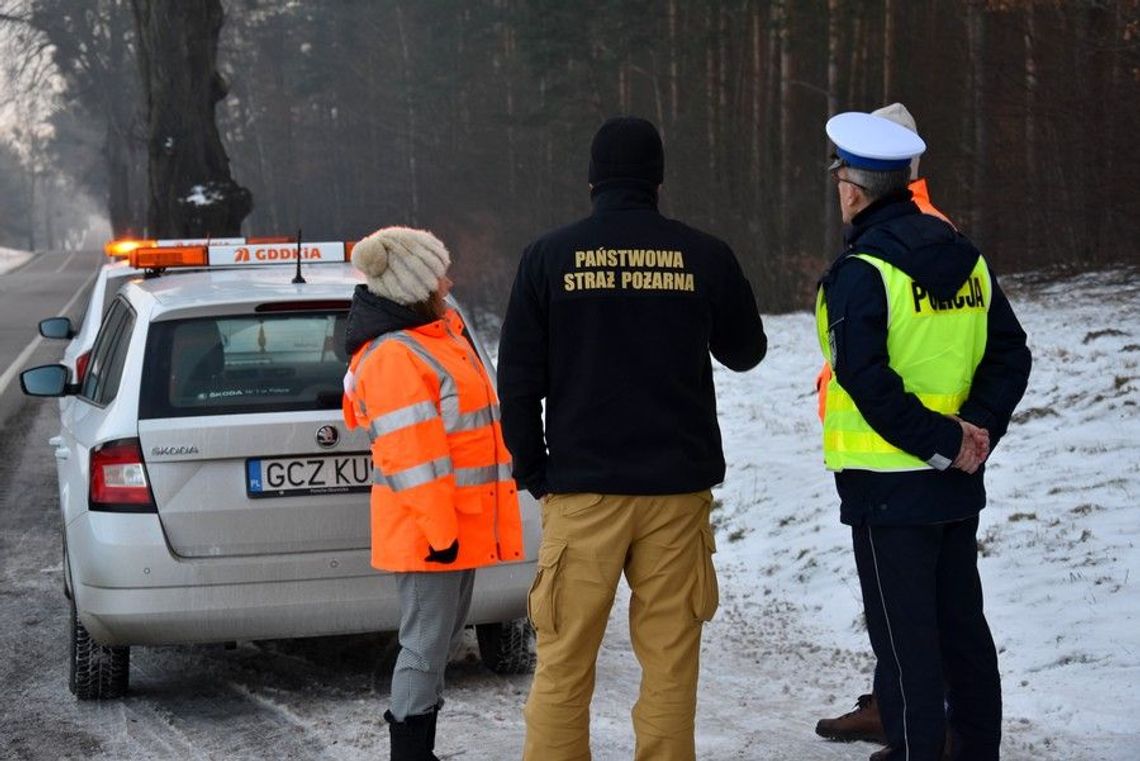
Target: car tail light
[(118, 478), (81, 366)]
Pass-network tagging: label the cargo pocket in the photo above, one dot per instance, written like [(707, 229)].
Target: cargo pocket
[(572, 504), (470, 501), (542, 602), (706, 593)]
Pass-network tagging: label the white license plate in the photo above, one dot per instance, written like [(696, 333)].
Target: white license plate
[(313, 474)]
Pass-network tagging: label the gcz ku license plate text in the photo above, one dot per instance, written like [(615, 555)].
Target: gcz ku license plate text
[(314, 474)]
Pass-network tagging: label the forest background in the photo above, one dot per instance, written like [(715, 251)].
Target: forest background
[(474, 119)]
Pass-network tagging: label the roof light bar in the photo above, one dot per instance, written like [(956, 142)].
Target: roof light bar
[(120, 249), (168, 256), (239, 255), (252, 254)]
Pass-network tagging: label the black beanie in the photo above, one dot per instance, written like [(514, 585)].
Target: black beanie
[(627, 148)]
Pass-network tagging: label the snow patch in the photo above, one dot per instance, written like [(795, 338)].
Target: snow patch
[(200, 195), (11, 258)]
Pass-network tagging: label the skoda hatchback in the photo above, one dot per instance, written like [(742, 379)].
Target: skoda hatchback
[(209, 488)]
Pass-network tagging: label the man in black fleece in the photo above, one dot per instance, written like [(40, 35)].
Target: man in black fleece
[(611, 320), (929, 363)]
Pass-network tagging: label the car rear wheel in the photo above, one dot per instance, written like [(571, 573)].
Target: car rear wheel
[(98, 672), (508, 647)]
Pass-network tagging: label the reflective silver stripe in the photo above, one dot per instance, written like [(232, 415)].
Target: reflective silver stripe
[(469, 421), (487, 474), (453, 419), (939, 462), (389, 422), (417, 475), (448, 393)]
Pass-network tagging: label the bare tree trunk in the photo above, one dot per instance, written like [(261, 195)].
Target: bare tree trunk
[(758, 126), (191, 191), (710, 111), (673, 62), (830, 201), (410, 105), (118, 115), (888, 49), (509, 95), (33, 181), (1032, 187), (771, 87), (856, 69), (975, 20), (786, 77), (119, 184)]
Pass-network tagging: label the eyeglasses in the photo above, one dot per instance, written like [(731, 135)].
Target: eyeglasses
[(836, 164)]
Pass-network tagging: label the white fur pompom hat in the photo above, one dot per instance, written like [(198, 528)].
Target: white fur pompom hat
[(401, 263)]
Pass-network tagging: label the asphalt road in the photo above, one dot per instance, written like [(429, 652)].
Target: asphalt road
[(304, 699), (51, 284)]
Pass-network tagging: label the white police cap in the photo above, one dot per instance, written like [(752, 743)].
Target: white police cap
[(865, 141)]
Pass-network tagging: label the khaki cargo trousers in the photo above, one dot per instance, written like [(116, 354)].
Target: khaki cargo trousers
[(664, 545)]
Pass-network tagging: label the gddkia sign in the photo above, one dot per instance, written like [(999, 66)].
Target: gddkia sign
[(221, 256)]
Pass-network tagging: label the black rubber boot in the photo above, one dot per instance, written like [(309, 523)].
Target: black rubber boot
[(432, 716), (412, 738)]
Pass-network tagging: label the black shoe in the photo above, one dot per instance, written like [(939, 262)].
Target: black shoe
[(412, 738)]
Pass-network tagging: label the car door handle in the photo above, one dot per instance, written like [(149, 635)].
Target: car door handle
[(62, 454)]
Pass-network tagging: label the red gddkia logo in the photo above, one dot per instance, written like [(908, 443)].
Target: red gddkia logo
[(275, 254)]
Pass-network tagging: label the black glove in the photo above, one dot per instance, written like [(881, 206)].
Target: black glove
[(446, 557)]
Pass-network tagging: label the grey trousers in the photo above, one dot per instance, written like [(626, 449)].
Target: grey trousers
[(433, 610)]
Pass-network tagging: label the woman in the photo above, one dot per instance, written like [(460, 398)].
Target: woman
[(443, 502)]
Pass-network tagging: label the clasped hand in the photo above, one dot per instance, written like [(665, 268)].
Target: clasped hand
[(975, 447)]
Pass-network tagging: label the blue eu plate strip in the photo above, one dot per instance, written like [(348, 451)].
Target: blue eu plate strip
[(254, 470)]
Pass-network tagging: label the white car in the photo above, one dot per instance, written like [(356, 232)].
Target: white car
[(209, 488), (116, 271)]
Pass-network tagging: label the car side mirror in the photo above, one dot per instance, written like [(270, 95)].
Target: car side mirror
[(47, 380), (57, 327)]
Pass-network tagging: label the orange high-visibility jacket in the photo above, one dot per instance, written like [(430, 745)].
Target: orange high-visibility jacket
[(921, 197), (441, 471)]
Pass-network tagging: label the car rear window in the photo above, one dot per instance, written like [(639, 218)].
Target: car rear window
[(244, 364)]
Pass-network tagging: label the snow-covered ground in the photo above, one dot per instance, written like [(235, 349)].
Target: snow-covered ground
[(1058, 539), (788, 645), (11, 258)]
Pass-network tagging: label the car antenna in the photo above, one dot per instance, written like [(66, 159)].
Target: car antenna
[(297, 279)]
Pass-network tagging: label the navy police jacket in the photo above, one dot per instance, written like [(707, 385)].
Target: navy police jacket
[(611, 321), (940, 259)]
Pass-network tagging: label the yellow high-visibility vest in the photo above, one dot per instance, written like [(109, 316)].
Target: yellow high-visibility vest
[(934, 345)]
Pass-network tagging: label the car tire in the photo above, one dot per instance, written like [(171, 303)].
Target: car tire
[(97, 672), (508, 647)]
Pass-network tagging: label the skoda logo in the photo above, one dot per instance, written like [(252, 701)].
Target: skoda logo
[(327, 436)]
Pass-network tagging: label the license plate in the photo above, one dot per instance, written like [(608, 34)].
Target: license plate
[(313, 474)]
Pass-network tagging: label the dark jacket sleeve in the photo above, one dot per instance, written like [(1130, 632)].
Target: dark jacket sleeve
[(738, 341), (857, 312), (522, 375), (1001, 377)]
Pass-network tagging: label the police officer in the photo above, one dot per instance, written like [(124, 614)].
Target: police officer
[(611, 320), (864, 722), (929, 363)]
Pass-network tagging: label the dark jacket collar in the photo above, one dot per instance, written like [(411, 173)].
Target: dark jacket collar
[(371, 316), (613, 195), (890, 206), (925, 247)]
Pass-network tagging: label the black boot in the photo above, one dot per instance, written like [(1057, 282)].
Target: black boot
[(412, 738), (432, 715)]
